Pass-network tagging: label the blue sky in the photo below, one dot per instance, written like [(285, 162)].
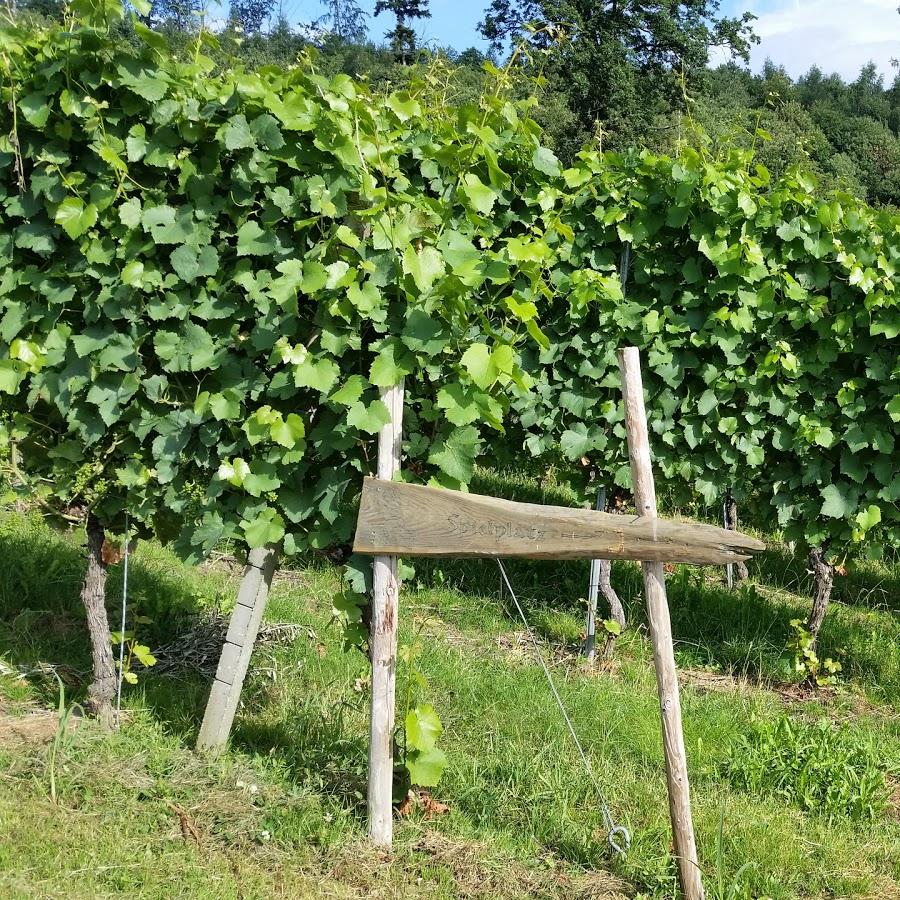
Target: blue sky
[(837, 35)]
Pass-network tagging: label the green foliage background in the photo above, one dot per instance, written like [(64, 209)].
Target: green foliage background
[(208, 274), (207, 279)]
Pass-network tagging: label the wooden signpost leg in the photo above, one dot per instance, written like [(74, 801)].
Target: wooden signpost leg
[(383, 644), (660, 630)]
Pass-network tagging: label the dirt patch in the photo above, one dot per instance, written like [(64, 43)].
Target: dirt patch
[(893, 803), (477, 873), (464, 641), (518, 650), (197, 649), (33, 728), (704, 682)]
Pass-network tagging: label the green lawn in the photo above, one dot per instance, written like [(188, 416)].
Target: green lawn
[(282, 812)]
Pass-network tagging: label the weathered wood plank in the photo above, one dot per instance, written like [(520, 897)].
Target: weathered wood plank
[(383, 642), (234, 661), (414, 520), (660, 630)]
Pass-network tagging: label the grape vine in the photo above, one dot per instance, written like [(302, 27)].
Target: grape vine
[(207, 275)]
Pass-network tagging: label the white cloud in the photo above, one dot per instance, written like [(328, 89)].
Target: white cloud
[(835, 35)]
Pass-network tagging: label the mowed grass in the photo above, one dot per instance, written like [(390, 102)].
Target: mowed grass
[(282, 812)]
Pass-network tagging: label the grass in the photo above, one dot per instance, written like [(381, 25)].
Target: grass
[(282, 812)]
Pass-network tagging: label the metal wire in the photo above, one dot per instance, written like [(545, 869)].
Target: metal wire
[(618, 836), (122, 628)]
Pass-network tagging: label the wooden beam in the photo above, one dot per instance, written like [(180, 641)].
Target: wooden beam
[(660, 630), (383, 642), (414, 520)]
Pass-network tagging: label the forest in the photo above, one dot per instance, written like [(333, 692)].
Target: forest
[(620, 75)]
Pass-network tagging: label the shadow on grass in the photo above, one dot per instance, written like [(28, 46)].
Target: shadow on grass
[(316, 746), (874, 585), (42, 619), (741, 632)]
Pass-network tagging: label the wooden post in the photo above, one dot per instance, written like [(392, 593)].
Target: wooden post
[(234, 662), (383, 644), (660, 630)]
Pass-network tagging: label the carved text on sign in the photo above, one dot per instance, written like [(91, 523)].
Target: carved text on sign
[(414, 520), (466, 526)]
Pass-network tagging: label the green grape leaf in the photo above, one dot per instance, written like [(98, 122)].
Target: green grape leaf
[(252, 240), (893, 408), (288, 431), (392, 363), (370, 419), (423, 727), (869, 517), (142, 654), (839, 501), (350, 391), (266, 528), (35, 108), (75, 217), (426, 767), (319, 374), (236, 135), (479, 363), (455, 453), (425, 266), (544, 160), (480, 195)]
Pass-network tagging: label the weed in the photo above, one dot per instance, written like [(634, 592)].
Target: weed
[(64, 715), (822, 768), (736, 887)]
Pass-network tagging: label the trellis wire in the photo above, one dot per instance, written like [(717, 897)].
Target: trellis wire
[(618, 836)]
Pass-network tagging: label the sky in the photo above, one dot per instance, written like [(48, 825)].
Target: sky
[(837, 35)]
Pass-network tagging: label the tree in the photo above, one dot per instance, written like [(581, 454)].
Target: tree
[(619, 64), (49, 9), (402, 38), (250, 15), (345, 20), (180, 15)]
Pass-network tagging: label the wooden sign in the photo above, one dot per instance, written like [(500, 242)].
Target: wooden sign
[(413, 520)]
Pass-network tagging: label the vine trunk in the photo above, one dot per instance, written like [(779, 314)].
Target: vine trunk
[(102, 689), (731, 523), (823, 579)]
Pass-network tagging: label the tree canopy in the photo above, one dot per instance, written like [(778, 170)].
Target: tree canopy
[(617, 63)]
